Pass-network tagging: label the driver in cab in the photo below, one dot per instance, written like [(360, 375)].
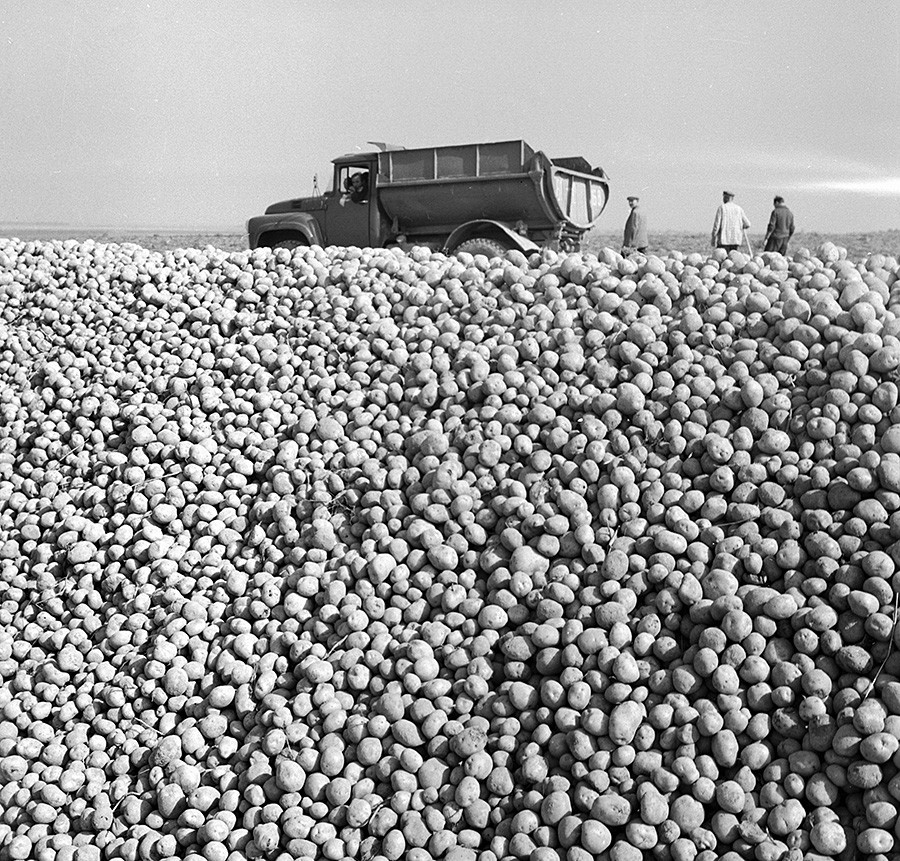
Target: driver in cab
[(357, 187)]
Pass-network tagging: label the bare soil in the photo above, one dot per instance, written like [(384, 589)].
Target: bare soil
[(858, 245)]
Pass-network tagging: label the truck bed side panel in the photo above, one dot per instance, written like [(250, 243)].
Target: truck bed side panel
[(451, 202)]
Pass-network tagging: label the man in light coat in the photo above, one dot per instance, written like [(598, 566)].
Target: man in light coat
[(730, 224), (635, 228)]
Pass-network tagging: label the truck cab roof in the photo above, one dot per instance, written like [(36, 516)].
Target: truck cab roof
[(352, 157), (368, 155)]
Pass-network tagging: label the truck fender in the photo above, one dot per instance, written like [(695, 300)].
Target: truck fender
[(488, 229), (301, 223)]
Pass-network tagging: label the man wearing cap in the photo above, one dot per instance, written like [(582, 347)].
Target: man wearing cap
[(635, 228), (730, 224), (781, 227)]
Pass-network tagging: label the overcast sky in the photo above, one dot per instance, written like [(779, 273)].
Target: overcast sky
[(197, 115)]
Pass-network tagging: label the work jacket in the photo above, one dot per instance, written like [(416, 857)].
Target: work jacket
[(636, 230), (730, 224), (781, 223)]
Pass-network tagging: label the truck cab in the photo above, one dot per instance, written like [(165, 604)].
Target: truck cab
[(349, 210)]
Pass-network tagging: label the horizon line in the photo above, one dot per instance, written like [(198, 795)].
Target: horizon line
[(106, 228), (8, 230)]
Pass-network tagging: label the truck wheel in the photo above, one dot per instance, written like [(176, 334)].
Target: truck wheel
[(488, 247), (292, 243)]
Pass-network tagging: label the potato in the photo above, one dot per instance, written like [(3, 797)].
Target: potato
[(872, 840), (611, 810), (624, 721)]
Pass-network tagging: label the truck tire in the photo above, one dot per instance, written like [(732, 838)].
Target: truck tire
[(478, 245), (291, 244)]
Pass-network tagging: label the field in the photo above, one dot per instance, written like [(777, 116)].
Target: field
[(857, 244)]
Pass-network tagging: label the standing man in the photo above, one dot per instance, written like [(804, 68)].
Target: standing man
[(781, 227), (730, 224), (635, 228)]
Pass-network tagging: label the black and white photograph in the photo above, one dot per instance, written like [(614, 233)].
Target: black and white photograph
[(449, 431)]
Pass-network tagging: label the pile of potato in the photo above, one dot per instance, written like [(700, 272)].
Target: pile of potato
[(351, 553)]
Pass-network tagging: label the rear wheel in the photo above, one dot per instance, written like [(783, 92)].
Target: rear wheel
[(479, 245)]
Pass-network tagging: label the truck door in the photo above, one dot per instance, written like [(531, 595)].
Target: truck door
[(347, 217)]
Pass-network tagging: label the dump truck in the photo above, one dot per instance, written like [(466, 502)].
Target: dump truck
[(484, 198)]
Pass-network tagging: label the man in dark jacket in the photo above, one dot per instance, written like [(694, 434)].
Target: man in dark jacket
[(781, 228), (635, 228)]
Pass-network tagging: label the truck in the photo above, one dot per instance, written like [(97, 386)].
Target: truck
[(484, 198)]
